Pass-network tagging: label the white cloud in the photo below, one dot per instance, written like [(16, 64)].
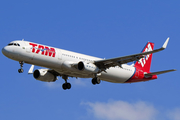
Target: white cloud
[(52, 85), (174, 114), (79, 82), (121, 110)]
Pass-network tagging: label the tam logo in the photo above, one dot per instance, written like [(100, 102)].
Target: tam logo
[(142, 61), (43, 49)]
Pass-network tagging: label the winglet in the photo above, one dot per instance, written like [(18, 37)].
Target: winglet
[(165, 43)]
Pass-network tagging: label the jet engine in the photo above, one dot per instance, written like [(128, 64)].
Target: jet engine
[(44, 75), (87, 67)]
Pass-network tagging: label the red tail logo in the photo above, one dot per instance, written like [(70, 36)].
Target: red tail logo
[(145, 63)]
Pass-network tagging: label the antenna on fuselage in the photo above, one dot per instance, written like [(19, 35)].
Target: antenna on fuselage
[(22, 39)]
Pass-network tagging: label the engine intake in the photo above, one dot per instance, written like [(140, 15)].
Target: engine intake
[(80, 65)]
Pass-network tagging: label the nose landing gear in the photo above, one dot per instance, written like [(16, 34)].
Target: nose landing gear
[(21, 64)]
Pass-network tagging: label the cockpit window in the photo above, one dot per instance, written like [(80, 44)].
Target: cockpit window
[(10, 44), (14, 44)]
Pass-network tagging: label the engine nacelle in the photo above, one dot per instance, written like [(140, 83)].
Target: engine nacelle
[(87, 67), (44, 75)]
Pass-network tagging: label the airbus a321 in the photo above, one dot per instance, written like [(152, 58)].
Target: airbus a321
[(66, 64)]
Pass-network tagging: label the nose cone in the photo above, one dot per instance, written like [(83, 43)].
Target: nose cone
[(4, 51), (9, 52)]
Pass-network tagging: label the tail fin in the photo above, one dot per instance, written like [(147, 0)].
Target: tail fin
[(145, 63)]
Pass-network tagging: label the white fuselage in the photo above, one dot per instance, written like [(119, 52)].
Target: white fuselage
[(60, 61)]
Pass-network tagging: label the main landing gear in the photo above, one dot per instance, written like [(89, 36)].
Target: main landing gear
[(66, 85), (96, 80), (21, 64)]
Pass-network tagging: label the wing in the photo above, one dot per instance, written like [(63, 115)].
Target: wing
[(31, 70), (107, 63)]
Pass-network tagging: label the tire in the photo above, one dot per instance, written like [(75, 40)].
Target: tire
[(64, 86), (98, 81), (20, 70), (94, 81), (68, 85)]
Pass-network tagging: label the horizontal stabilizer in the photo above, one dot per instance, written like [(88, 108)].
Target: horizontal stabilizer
[(160, 72)]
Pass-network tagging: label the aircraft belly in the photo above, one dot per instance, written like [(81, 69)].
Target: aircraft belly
[(73, 73), (117, 75)]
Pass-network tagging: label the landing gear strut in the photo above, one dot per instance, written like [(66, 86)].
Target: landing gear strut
[(21, 64), (96, 80), (66, 85)]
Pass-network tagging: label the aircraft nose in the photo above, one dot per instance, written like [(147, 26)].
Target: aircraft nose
[(5, 51)]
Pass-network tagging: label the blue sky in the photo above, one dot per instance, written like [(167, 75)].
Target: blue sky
[(99, 28)]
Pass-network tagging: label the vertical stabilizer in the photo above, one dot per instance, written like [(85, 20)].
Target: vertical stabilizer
[(145, 63)]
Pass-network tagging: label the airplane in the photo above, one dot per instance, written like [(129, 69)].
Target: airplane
[(63, 63)]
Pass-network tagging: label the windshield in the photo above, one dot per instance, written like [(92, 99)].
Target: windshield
[(14, 44)]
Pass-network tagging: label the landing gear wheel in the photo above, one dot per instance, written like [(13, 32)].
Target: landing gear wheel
[(96, 81), (66, 86), (20, 70)]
